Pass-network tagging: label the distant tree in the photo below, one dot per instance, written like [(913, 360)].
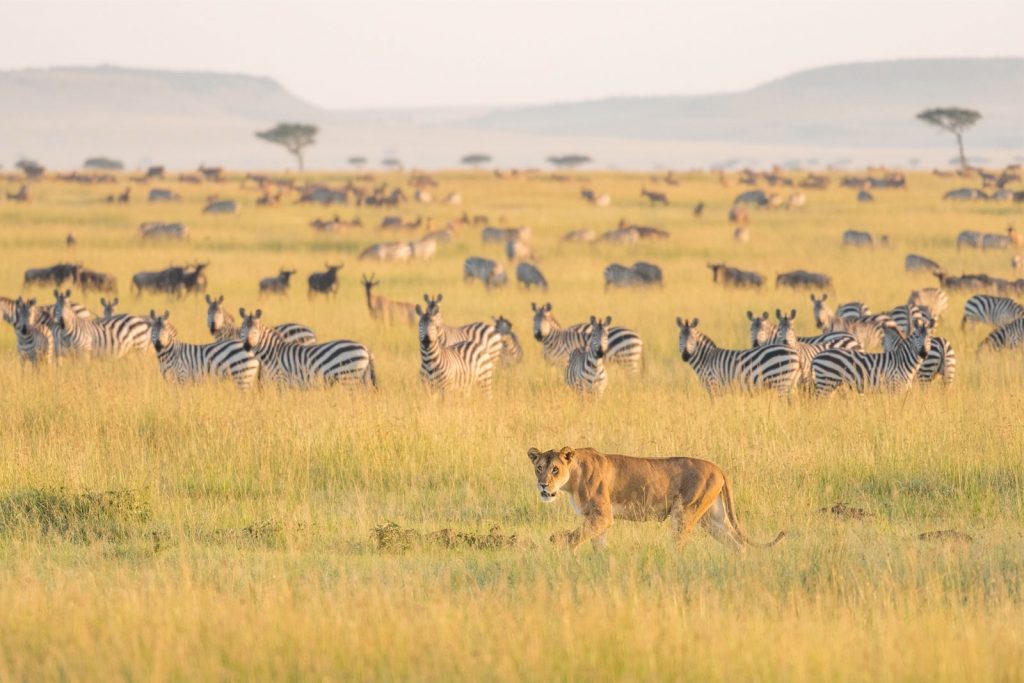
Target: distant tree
[(30, 168), (391, 162), (475, 160), (569, 160), (953, 120), (294, 137), (357, 161), (103, 163)]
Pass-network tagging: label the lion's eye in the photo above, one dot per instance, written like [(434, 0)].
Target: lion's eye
[(554, 470)]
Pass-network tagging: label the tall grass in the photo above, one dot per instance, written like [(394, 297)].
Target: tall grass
[(243, 522)]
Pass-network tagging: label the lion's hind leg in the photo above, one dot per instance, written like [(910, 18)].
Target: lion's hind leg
[(685, 517), (716, 521)]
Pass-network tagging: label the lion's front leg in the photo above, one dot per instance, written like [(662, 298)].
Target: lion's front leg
[(595, 524)]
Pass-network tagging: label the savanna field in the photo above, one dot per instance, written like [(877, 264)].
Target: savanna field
[(156, 532)]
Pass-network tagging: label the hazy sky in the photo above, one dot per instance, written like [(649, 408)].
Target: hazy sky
[(431, 52)]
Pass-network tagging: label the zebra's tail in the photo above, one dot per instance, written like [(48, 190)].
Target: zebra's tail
[(371, 373), (731, 513)]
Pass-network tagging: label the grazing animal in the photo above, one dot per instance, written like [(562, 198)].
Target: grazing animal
[(698, 210), (582, 235), (605, 487), (305, 366), (734, 277), (395, 252), (772, 366), (625, 347), (915, 262), (511, 350), (931, 300), (991, 310), (278, 284), (741, 234), (34, 339), (585, 371), (867, 329), (221, 206), (491, 273), (785, 334), (385, 309), (941, 360), (968, 238), (1009, 336), (502, 235), (856, 238), (109, 307), (222, 325), (169, 281), (991, 241), (113, 338), (617, 275), (892, 370), (186, 363), (654, 197), (54, 275), (424, 249), (762, 332), (802, 279), (96, 281), (70, 240), (529, 275), (177, 231), (518, 250), (194, 281), (325, 282), (459, 367), (1017, 262)]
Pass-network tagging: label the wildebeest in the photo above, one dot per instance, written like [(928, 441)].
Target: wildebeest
[(277, 284), (865, 196), (491, 273), (161, 195), (916, 262), (395, 252), (325, 282), (639, 274), (502, 235), (171, 230), (798, 279), (54, 275), (529, 275), (964, 194), (649, 273), (221, 206), (654, 197), (168, 281), (857, 238), (581, 235), (621, 236), (423, 249), (755, 197), (194, 281), (968, 238), (734, 277), (96, 281)]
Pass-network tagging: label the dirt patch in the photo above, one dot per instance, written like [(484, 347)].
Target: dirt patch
[(844, 511), (391, 537), (946, 535)]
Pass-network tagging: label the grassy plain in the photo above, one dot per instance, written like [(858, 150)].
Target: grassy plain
[(243, 547)]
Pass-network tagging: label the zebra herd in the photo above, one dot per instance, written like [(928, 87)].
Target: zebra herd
[(461, 358)]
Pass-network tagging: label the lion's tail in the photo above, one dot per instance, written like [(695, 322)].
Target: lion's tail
[(730, 511)]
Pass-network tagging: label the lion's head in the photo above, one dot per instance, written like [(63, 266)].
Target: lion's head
[(552, 469)]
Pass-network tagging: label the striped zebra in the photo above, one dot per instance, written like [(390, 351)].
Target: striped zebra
[(893, 370), (867, 329), (585, 371), (113, 338), (991, 310), (625, 347), (785, 334), (305, 365), (941, 360), (444, 368), (35, 340), (222, 325), (852, 309), (771, 366), (186, 363), (511, 350), (7, 307), (763, 331), (1009, 336), (932, 300), (908, 316)]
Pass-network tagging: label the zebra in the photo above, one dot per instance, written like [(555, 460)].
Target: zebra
[(35, 340), (482, 334), (511, 350), (893, 369), (303, 366), (1009, 336), (112, 338), (992, 310), (222, 325), (7, 308), (585, 371), (852, 309), (931, 300), (907, 316), (446, 368), (772, 366), (867, 329), (785, 334), (941, 360), (185, 363), (762, 332), (625, 347)]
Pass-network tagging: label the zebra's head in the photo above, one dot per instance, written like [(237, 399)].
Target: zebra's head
[(431, 327), (597, 344), (784, 333), (503, 325), (25, 314), (109, 307), (252, 332), (921, 338), (61, 310), (543, 322), (161, 332), (216, 316), (553, 469), (760, 329), (688, 337), (822, 313)]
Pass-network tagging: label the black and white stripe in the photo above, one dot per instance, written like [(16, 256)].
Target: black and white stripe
[(907, 317), (444, 368), (186, 363), (763, 331), (893, 370), (585, 371), (625, 347), (222, 325), (867, 329), (771, 366), (932, 300), (304, 366), (991, 310), (785, 334), (511, 350), (35, 340), (1009, 336), (113, 338)]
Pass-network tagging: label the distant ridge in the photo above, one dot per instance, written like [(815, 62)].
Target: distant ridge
[(862, 112)]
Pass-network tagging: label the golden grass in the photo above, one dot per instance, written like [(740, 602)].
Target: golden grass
[(255, 558)]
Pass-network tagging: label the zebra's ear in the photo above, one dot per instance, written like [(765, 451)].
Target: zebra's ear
[(167, 314), (680, 323), (67, 294), (30, 303), (813, 300), (220, 299), (695, 322), (208, 299), (533, 454), (750, 316), (533, 305), (607, 320), (438, 299), (792, 314), (241, 312), (258, 313), (419, 311), (824, 297), (593, 320), (764, 315), (103, 302), (547, 307), (566, 453), (778, 314), (115, 302), (152, 314), (426, 298)]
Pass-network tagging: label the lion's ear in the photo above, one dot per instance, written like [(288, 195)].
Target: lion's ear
[(534, 454), (566, 453)]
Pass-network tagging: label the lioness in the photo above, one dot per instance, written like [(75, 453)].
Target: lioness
[(602, 487)]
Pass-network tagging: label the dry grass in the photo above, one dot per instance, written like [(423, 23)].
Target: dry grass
[(247, 551)]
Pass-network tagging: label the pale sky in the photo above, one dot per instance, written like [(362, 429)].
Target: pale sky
[(462, 52)]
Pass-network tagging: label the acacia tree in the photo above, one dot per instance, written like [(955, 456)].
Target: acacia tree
[(953, 120), (475, 160), (570, 160), (294, 137), (357, 161)]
